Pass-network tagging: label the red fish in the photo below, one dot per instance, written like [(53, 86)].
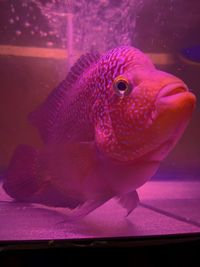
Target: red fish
[(105, 128)]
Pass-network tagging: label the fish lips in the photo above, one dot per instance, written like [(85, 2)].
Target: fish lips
[(175, 97)]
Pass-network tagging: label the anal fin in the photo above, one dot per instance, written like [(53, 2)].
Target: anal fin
[(84, 209)]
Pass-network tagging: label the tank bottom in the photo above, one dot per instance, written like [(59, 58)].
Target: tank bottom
[(166, 208)]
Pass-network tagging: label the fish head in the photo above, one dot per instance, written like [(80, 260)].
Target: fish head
[(144, 111)]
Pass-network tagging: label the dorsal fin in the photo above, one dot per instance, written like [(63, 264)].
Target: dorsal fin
[(45, 116), (81, 65)]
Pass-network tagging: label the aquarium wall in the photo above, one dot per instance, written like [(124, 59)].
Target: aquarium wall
[(39, 43)]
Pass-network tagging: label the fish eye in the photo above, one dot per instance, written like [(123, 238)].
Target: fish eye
[(122, 86)]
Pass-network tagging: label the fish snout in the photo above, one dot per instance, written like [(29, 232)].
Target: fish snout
[(173, 89), (175, 96)]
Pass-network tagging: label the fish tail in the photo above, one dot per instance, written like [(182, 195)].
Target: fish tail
[(21, 178)]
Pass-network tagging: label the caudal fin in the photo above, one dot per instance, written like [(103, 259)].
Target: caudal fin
[(20, 180)]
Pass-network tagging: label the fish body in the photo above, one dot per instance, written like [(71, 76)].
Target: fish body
[(105, 128)]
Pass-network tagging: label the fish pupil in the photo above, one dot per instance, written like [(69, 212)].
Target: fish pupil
[(122, 86)]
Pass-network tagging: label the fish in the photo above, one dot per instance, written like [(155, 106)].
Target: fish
[(105, 129)]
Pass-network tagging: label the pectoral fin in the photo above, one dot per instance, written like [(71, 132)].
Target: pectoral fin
[(129, 201)]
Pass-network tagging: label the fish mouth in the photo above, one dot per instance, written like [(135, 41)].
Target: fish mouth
[(174, 97), (172, 90)]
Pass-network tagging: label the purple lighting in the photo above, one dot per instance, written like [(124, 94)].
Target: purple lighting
[(99, 125)]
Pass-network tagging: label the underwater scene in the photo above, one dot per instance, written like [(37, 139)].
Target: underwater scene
[(99, 118)]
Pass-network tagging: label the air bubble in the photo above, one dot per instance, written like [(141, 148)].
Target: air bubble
[(18, 33), (11, 21), (27, 24), (49, 44), (24, 4), (43, 34), (51, 33)]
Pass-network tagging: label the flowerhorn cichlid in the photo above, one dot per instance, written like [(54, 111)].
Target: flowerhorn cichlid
[(105, 128)]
